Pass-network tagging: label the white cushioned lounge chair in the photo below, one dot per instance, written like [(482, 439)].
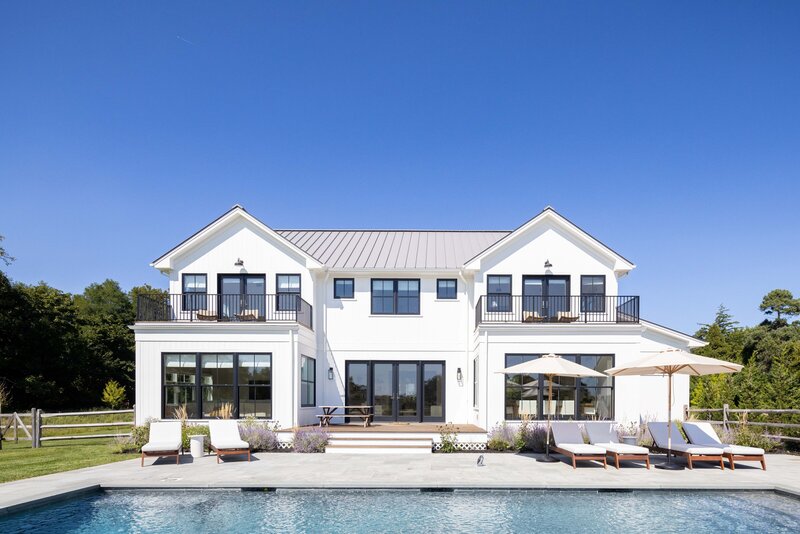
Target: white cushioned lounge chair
[(696, 453), (225, 438), (701, 433), (164, 440), (603, 434), (569, 442)]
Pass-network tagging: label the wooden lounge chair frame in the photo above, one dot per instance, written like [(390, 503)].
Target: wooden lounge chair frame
[(575, 457), (229, 452), (693, 457), (204, 315), (745, 458), (164, 454), (617, 456)]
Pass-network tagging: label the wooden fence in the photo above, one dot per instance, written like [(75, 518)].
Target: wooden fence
[(38, 424), (742, 417)]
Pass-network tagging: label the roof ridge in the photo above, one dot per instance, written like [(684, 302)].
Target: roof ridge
[(389, 230)]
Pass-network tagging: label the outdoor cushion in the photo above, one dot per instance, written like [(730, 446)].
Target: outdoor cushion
[(581, 448), (623, 448), (601, 432), (162, 446), (564, 432), (225, 434), (659, 433), (702, 433), (697, 449)]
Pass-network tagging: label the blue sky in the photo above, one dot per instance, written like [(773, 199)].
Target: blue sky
[(670, 130)]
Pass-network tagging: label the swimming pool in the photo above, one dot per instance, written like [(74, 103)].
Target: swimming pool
[(356, 511)]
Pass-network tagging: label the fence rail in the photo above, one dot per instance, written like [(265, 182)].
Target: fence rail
[(744, 419), (497, 308), (34, 431)]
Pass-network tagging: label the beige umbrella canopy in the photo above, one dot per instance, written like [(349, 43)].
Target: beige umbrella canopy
[(671, 362), (551, 365)]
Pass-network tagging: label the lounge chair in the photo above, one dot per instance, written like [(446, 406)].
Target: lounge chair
[(569, 442), (225, 438), (165, 440), (704, 434), (692, 453), (566, 317), (531, 317), (602, 434)]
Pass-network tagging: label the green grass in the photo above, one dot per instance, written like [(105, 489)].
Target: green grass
[(19, 460)]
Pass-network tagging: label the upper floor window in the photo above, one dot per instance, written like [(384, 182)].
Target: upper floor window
[(498, 292), (343, 288), (288, 292), (395, 297), (593, 293), (194, 291), (446, 288)]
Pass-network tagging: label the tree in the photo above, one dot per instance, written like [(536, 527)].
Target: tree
[(5, 400), (780, 302), (723, 320), (114, 395), (4, 257)]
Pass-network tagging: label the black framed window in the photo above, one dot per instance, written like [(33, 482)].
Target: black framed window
[(343, 288), (288, 289), (593, 293), (573, 398), (446, 288), (475, 382), (498, 293), (217, 385), (308, 381), (395, 297), (195, 292)]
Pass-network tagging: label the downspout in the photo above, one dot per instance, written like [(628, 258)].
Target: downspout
[(468, 334), (322, 345), (295, 399)]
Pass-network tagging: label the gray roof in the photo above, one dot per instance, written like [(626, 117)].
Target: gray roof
[(392, 249)]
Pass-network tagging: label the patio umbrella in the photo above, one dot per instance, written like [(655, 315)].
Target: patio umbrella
[(671, 362), (551, 365)]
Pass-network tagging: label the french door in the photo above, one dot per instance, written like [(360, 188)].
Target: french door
[(241, 294), (546, 295), (397, 390)]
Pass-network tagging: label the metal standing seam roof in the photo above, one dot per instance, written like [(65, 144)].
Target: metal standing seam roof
[(392, 249)]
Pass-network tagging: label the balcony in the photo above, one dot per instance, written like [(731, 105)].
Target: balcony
[(594, 309), (205, 308)]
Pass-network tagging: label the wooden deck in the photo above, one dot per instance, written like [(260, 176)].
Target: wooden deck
[(378, 428)]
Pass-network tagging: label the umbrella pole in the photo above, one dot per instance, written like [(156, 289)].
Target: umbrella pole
[(547, 457), (669, 465)]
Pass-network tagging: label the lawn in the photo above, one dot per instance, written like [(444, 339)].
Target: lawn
[(19, 460)]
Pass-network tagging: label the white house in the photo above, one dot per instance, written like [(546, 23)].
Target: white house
[(275, 323)]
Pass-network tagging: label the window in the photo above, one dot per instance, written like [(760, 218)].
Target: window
[(343, 288), (475, 382), (593, 293), (498, 293), (395, 297), (446, 289), (308, 381), (288, 292), (573, 398), (218, 385), (194, 292)]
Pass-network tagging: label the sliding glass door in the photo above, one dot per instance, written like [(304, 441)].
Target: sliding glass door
[(242, 296), (545, 295)]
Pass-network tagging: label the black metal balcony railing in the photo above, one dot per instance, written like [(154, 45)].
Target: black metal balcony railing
[(203, 307), (556, 309)]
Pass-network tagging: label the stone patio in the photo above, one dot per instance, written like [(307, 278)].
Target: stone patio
[(291, 470)]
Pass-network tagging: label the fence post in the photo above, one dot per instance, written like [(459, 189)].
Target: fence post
[(725, 417), (33, 428), (16, 428), (685, 412)]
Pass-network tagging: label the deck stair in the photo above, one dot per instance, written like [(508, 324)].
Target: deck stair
[(379, 445)]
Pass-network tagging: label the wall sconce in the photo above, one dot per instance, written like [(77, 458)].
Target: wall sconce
[(459, 375), (239, 262), (330, 373), (547, 264)]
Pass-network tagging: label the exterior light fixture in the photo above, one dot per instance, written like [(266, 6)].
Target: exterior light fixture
[(547, 264), (239, 262), (330, 373), (459, 375)]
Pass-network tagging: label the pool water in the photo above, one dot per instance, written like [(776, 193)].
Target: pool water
[(353, 511)]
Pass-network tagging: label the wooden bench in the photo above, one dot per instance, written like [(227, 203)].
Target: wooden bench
[(359, 412)]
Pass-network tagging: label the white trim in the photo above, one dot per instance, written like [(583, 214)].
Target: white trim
[(691, 342), (621, 265)]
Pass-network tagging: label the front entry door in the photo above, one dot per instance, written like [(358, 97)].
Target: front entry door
[(546, 295), (398, 391)]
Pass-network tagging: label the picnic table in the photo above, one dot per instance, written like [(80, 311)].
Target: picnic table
[(360, 412)]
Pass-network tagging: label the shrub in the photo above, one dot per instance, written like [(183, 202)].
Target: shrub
[(502, 438), (531, 437), (448, 437), (261, 435), (193, 430), (746, 436), (114, 395), (140, 435), (312, 439)]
